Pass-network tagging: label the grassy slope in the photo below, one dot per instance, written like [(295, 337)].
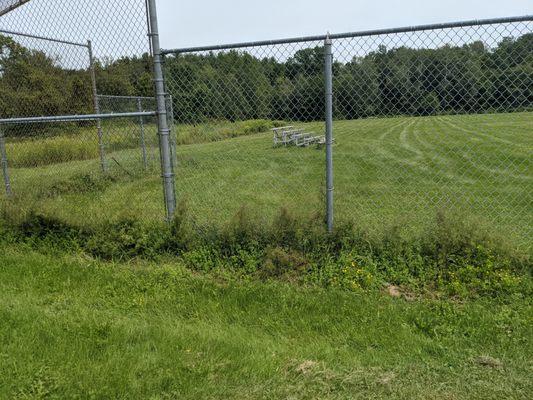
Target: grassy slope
[(76, 328), (395, 170)]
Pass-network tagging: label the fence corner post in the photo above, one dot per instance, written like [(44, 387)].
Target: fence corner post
[(328, 75), (162, 119), (5, 170)]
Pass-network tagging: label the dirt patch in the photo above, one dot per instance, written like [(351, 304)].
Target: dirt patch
[(394, 291), (398, 293), (487, 361), (387, 378), (306, 367)]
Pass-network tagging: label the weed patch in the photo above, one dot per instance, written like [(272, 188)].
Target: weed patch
[(452, 258)]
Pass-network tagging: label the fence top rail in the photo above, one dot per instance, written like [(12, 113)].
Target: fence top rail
[(12, 7), (73, 118), (376, 32), (48, 39), (110, 96)]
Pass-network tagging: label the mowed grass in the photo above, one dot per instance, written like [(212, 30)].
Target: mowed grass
[(73, 327), (390, 171)]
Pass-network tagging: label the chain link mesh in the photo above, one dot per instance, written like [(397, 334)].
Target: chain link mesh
[(79, 170), (458, 134), (228, 106), (7, 6), (426, 121)]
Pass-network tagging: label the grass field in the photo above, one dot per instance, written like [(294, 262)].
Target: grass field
[(292, 312), (73, 327), (387, 171)]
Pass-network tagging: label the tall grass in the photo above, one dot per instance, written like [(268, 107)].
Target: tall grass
[(36, 153), (81, 143), (220, 130)]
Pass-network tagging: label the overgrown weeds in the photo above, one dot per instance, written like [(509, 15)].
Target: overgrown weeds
[(220, 130), (66, 145), (77, 143), (452, 257)]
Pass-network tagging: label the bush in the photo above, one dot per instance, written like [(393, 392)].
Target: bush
[(127, 239), (454, 257)]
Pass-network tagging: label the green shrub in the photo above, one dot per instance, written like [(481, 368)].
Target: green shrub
[(127, 239), (201, 259), (453, 258), (283, 263)]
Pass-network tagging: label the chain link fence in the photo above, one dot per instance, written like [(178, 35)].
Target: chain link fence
[(458, 132), (427, 119), (79, 130), (7, 6), (244, 137), (416, 120)]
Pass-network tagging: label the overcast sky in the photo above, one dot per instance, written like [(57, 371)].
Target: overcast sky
[(204, 22)]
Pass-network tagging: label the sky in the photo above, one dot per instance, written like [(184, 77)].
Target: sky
[(206, 22), (118, 27)]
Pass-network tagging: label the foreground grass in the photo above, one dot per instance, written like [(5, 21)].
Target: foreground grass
[(76, 328)]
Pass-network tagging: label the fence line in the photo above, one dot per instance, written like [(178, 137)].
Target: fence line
[(346, 35), (266, 125), (11, 7), (48, 39), (108, 96), (466, 67), (75, 118)]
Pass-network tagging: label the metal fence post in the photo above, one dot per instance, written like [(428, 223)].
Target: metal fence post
[(5, 171), (162, 118), (328, 75), (143, 141), (101, 147)]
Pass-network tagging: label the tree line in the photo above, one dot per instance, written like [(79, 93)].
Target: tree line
[(235, 85), (400, 81), (34, 83)]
